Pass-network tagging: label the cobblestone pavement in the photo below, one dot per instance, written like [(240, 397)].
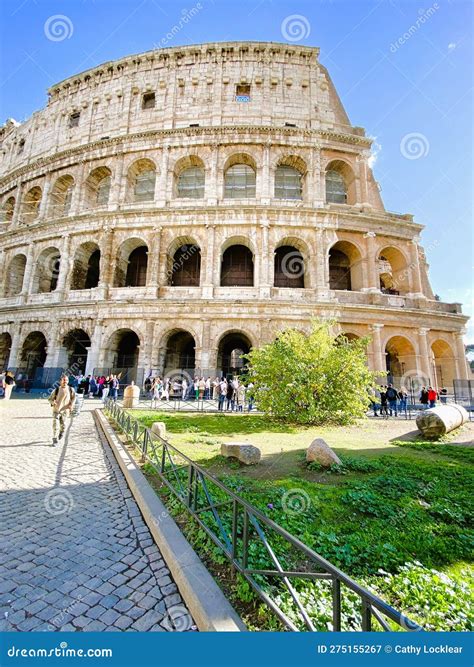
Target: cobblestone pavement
[(75, 553)]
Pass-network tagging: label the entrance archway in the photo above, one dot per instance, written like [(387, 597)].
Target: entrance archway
[(443, 364), (76, 346), (33, 353), (15, 275), (86, 271), (229, 355), (237, 267), (400, 359), (180, 352), (5, 347)]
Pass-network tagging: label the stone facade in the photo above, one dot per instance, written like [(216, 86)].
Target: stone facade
[(154, 212)]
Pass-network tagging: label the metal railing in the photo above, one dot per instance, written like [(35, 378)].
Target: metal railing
[(274, 562)]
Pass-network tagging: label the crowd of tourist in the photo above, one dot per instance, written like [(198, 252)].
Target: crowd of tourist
[(232, 395), (387, 401)]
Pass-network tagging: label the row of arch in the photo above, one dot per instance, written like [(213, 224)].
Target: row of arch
[(291, 258), (240, 182), (178, 351)]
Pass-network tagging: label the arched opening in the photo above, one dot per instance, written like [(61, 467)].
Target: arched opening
[(350, 337), (180, 353), (443, 363), (61, 196), (345, 267), (47, 271), (76, 346), (229, 355), (132, 263), (15, 275), (289, 176), (31, 204), (400, 359), (98, 185), (5, 347), (33, 353), (393, 271), (190, 178), (86, 269), (186, 266), (237, 267), (340, 183), (121, 353), (8, 209), (142, 180), (240, 177), (289, 267)]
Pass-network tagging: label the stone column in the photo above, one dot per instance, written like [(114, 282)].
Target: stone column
[(206, 353), (65, 268), (424, 358), (29, 274), (319, 281), (153, 262), (43, 207), (212, 192), (265, 190), (378, 354), (208, 283), (372, 284), (15, 349), (118, 189), (145, 360), (318, 180), (107, 263), (261, 275), (78, 192), (18, 205), (416, 287), (52, 354), (3, 272), (363, 190), (161, 192), (93, 354), (462, 364)]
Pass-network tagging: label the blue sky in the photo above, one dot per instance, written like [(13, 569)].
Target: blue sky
[(402, 68)]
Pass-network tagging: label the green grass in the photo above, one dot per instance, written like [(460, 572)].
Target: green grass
[(395, 500)]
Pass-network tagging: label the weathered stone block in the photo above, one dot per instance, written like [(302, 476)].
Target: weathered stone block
[(243, 451), (320, 452)]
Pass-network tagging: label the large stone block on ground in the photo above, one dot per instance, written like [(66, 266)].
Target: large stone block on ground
[(436, 422), (320, 452), (159, 428), (243, 451)]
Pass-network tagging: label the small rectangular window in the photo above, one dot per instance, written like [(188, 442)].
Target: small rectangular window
[(74, 119), (242, 92), (148, 101)]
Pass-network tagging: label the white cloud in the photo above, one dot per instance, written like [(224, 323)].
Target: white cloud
[(452, 45), (374, 152)]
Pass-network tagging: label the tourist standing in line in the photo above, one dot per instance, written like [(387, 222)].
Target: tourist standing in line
[(392, 396), (8, 384), (207, 393), (432, 397), (402, 399), (215, 389), (373, 400), (443, 395), (201, 388), (424, 398), (250, 398), (383, 403), (105, 388), (230, 396), (184, 389), (62, 401), (241, 397), (222, 393), (114, 387)]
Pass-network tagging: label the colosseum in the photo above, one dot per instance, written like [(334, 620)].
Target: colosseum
[(170, 210)]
